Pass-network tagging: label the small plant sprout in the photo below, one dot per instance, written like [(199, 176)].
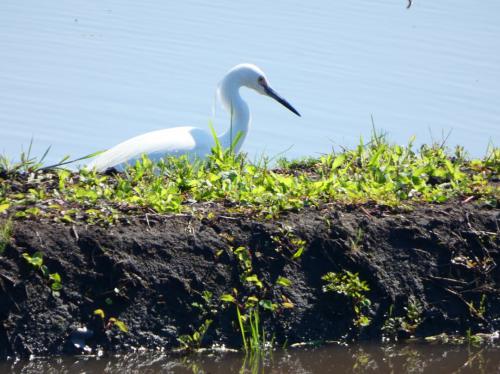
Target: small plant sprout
[(56, 282), (36, 261), (357, 241)]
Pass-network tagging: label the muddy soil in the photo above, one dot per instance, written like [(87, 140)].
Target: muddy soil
[(150, 272)]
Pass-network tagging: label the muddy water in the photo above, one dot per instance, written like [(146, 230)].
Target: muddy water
[(330, 359)]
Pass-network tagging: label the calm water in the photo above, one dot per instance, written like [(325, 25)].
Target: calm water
[(360, 359), (83, 75)]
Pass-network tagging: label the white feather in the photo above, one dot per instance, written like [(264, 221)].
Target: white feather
[(174, 141), (193, 141)]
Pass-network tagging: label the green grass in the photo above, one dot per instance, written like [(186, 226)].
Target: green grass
[(6, 228), (376, 171)]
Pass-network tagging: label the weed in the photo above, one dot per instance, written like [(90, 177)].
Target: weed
[(358, 240), (54, 279), (5, 234), (26, 163), (374, 171), (193, 341), (349, 284), (482, 306), (286, 239), (408, 323), (413, 316), (208, 306), (391, 324), (252, 331), (249, 307)]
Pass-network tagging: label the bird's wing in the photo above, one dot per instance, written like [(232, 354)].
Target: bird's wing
[(156, 144)]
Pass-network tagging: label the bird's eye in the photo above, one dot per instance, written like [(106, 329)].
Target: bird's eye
[(262, 81)]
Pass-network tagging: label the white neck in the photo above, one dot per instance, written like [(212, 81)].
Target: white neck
[(238, 111)]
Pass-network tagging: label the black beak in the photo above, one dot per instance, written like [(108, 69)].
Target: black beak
[(272, 93)]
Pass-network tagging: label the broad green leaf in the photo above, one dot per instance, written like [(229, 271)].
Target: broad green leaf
[(55, 277)]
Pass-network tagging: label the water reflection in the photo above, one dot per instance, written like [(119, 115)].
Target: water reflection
[(356, 359)]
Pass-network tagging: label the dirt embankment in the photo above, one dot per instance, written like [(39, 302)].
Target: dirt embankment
[(438, 261)]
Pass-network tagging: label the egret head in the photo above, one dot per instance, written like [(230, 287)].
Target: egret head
[(253, 77)]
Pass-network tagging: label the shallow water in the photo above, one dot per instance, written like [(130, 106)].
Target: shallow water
[(330, 359), (82, 75)]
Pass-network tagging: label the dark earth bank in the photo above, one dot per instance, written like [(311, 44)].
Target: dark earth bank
[(430, 269)]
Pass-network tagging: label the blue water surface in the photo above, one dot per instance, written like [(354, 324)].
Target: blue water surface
[(83, 75)]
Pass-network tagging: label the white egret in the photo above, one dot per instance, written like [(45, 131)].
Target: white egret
[(193, 141)]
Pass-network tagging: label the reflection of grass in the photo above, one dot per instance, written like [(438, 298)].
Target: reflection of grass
[(376, 171), (254, 361)]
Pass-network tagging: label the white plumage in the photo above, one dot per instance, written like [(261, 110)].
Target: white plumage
[(194, 141)]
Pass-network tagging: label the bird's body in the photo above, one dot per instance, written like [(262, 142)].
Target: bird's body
[(193, 141), (174, 141)]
